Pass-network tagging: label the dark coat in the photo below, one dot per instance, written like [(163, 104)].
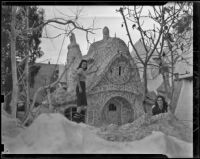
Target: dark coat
[(156, 110)]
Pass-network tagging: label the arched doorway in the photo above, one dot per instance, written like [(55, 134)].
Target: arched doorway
[(117, 111)]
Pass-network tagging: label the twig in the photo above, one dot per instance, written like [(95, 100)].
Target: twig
[(121, 11), (37, 92)]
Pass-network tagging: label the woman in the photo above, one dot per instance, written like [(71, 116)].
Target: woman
[(81, 89), (160, 106)]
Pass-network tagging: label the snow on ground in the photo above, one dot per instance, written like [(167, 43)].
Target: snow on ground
[(10, 127), (53, 133)]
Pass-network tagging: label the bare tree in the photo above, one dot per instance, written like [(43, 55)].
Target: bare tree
[(153, 39), (71, 25), (136, 14), (177, 47), (14, 66)]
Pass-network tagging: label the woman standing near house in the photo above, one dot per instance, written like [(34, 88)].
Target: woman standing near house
[(160, 106), (81, 89)]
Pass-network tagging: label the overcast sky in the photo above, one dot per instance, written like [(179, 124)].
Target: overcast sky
[(103, 15)]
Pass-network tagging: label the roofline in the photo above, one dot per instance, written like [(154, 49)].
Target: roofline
[(46, 64), (189, 77), (106, 69), (140, 41)]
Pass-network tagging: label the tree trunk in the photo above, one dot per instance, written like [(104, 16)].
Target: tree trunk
[(145, 85), (172, 65), (13, 103), (172, 92), (36, 94), (27, 66), (49, 99), (167, 93)]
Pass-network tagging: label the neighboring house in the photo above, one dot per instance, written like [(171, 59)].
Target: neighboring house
[(183, 69), (184, 104), (45, 76), (153, 80), (182, 99), (114, 89)]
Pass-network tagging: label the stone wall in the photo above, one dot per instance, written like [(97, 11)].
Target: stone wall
[(97, 101), (144, 126)]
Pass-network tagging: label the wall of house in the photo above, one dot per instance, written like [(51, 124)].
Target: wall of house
[(177, 90), (96, 103), (184, 109)]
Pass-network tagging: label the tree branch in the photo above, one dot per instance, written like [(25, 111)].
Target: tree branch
[(140, 30), (160, 33), (37, 92), (122, 13)]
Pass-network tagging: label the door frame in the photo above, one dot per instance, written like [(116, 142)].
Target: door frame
[(105, 110)]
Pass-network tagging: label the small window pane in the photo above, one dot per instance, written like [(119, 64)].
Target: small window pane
[(119, 70), (112, 107)]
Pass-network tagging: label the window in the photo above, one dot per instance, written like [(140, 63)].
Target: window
[(119, 70), (112, 107)]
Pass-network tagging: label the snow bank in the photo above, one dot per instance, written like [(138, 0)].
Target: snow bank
[(10, 127), (53, 133)]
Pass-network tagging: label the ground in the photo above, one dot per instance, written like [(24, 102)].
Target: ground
[(53, 133)]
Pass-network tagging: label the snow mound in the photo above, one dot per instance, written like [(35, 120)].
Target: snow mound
[(10, 127), (53, 133)]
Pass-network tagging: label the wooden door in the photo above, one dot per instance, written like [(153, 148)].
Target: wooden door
[(126, 114), (114, 113)]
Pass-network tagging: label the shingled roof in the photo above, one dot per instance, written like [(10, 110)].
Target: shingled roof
[(102, 54)]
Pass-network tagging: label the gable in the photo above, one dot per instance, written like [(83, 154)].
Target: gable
[(101, 54), (133, 84)]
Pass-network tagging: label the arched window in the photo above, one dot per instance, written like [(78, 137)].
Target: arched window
[(112, 107), (119, 70)]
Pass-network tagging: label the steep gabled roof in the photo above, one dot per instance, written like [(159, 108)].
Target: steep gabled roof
[(142, 53), (102, 53), (141, 49)]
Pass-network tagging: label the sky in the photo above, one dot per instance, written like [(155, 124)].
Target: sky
[(101, 15)]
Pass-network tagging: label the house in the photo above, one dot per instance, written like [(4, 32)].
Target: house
[(114, 89), (184, 105)]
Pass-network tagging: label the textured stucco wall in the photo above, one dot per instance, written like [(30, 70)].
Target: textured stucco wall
[(96, 103), (184, 109)]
